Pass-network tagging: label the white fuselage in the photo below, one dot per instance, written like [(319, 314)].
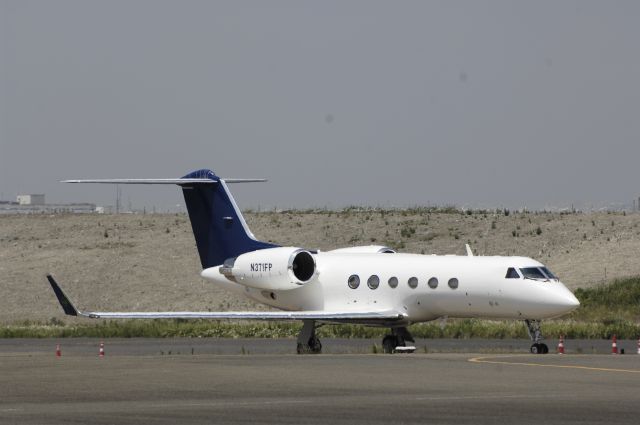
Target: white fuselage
[(483, 289)]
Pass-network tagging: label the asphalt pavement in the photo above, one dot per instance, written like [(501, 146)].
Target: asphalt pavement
[(135, 384)]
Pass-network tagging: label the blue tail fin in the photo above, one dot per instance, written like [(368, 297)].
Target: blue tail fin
[(218, 225)]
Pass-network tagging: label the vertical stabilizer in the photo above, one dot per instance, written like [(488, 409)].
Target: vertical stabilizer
[(218, 226)]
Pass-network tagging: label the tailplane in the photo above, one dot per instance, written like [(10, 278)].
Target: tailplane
[(218, 226)]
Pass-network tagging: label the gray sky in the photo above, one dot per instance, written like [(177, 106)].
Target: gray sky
[(481, 103)]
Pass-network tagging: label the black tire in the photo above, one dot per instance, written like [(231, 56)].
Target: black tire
[(545, 349), (388, 344), (315, 345), (535, 348)]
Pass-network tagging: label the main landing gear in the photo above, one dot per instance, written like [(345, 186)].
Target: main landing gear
[(533, 327), (397, 342), (308, 342)]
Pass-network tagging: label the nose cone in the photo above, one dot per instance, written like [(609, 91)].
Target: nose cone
[(546, 300), (566, 300)]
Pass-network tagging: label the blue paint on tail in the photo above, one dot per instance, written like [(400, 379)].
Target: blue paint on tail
[(218, 225)]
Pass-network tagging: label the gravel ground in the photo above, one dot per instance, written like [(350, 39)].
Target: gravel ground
[(149, 262)]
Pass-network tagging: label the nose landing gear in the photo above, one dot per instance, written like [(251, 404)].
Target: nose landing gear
[(533, 327)]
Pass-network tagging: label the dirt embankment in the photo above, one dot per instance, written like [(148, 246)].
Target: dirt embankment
[(149, 262)]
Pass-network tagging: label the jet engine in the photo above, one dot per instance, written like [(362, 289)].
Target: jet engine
[(279, 268)]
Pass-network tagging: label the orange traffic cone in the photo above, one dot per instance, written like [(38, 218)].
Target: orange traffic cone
[(101, 354), (561, 345), (58, 351), (614, 345)]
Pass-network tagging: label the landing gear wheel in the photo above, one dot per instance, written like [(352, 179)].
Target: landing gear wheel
[(308, 342), (389, 344), (539, 348), (396, 342), (393, 344), (315, 346), (533, 327)]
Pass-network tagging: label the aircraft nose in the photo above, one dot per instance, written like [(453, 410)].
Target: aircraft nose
[(572, 301), (568, 300)]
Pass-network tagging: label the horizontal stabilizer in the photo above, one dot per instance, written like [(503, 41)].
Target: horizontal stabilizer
[(163, 181), (369, 317)]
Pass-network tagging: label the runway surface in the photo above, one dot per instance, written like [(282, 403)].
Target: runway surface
[(178, 346), (140, 387)]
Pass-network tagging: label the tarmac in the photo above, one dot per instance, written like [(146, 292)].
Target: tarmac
[(184, 381)]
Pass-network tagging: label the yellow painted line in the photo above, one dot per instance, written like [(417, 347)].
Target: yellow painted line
[(601, 369)]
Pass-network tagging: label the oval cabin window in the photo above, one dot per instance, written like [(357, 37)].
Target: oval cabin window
[(373, 282), (354, 281), (393, 282), (413, 282), (453, 283)]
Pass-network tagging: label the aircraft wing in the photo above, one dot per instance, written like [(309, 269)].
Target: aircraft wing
[(381, 317)]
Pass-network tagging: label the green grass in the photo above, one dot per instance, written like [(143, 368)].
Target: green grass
[(461, 329), (605, 310), (613, 302)]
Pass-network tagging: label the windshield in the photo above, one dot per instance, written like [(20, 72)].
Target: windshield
[(548, 273), (533, 273), (512, 274)]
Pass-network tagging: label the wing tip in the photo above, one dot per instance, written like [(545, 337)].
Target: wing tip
[(65, 303)]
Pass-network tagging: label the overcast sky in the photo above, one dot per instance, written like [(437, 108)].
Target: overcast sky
[(472, 103)]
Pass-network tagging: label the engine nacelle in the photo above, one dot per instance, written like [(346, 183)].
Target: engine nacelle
[(279, 268), (368, 249)]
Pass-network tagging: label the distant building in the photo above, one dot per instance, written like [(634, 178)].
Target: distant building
[(34, 204), (34, 199), (15, 208)]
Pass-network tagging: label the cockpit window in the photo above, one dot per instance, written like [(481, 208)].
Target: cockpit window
[(533, 273), (512, 274), (548, 273)]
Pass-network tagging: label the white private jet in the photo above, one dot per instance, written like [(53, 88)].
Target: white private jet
[(369, 285)]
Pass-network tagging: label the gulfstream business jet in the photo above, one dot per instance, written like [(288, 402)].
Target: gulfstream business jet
[(369, 285)]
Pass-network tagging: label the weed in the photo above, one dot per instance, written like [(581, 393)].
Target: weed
[(407, 231)]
